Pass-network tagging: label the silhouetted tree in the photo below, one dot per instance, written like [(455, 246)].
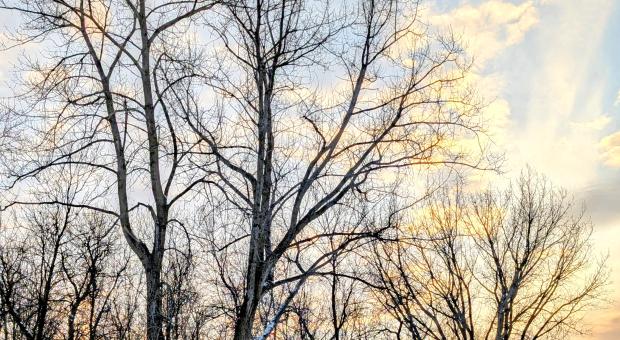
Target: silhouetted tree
[(500, 265), (309, 104), (60, 267), (97, 100)]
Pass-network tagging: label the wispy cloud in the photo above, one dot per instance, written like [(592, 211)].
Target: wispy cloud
[(491, 27), (562, 114), (488, 30)]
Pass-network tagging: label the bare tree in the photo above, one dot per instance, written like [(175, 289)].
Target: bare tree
[(59, 267), (95, 100), (31, 267), (499, 265), (312, 102), (124, 312), (187, 313), (94, 267)]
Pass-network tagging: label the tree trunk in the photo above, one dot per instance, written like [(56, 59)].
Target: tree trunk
[(245, 321), (71, 323), (154, 320)]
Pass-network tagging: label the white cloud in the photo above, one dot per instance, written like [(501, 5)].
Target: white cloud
[(487, 30), (491, 27), (558, 131), (596, 124), (563, 117)]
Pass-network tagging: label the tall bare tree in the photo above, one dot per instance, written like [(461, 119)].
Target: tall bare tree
[(493, 265), (310, 105), (301, 116), (94, 99)]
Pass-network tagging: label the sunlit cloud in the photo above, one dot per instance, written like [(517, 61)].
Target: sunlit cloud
[(488, 30), (491, 27), (610, 150), (561, 120)]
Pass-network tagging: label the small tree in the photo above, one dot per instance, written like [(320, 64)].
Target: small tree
[(60, 267)]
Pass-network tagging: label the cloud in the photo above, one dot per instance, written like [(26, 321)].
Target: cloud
[(598, 123), (610, 150), (491, 27), (560, 104), (487, 30)]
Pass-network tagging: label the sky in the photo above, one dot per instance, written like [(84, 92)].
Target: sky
[(551, 73), (551, 69)]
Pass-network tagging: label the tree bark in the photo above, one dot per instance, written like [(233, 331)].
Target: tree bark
[(154, 320), (245, 320)]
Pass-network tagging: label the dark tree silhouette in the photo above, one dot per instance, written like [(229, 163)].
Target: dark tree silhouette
[(96, 99)]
